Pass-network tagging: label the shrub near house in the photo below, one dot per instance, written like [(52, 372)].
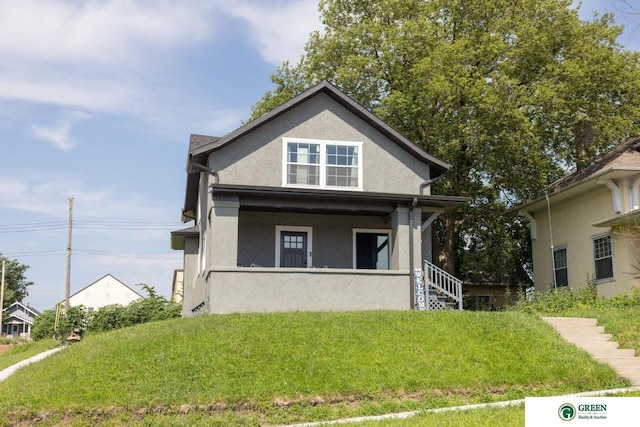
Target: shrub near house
[(154, 307)]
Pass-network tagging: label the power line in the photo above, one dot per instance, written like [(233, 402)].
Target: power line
[(91, 225), (141, 255), (34, 253)]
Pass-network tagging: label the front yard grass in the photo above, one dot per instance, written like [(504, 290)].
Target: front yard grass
[(270, 369)]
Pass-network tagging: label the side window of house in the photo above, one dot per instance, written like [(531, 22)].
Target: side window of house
[(322, 164), (561, 270), (603, 257)]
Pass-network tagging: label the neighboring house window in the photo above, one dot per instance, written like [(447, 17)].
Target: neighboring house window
[(603, 257), (322, 164), (483, 302), (371, 249), (560, 265)]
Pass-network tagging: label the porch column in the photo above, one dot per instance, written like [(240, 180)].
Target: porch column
[(417, 238), (400, 249), (223, 231)]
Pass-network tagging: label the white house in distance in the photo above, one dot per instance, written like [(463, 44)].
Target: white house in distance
[(105, 291), (19, 320)]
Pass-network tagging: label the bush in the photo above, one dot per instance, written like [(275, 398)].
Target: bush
[(560, 299), (152, 308), (107, 318), (44, 323)]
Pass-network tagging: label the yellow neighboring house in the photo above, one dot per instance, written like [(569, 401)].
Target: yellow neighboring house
[(587, 225)]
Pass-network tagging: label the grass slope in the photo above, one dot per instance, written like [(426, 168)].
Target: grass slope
[(257, 369)]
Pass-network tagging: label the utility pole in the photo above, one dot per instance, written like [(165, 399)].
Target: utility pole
[(67, 288), (2, 294)]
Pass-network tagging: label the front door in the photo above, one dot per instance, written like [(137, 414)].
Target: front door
[(293, 249)]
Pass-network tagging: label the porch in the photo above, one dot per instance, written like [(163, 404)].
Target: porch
[(267, 289)]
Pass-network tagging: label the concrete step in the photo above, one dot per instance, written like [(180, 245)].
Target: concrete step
[(587, 335), (571, 321), (618, 352)]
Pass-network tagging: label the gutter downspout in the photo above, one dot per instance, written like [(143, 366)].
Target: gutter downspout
[(412, 281), (216, 177), (553, 258), (429, 182)]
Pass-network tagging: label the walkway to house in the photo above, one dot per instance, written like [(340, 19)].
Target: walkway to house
[(585, 334)]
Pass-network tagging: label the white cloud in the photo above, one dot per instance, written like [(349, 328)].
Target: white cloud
[(279, 29), (109, 32), (59, 133), (92, 54), (52, 190)]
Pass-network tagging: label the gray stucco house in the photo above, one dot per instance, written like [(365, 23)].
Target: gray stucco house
[(316, 205)]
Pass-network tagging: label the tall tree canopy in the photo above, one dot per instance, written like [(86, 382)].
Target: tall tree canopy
[(15, 281), (511, 93)]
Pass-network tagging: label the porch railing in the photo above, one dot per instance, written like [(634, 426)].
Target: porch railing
[(443, 289)]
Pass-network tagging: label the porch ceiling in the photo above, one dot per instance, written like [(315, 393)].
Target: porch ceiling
[(332, 201)]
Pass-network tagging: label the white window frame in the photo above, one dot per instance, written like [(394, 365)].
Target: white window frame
[(323, 163), (373, 231), (308, 230), (613, 259)]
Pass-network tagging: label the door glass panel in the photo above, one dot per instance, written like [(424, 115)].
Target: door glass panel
[(293, 251)]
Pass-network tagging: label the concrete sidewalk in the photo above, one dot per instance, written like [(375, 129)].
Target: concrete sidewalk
[(7, 372), (587, 335)]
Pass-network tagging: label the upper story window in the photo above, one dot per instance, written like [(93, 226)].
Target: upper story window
[(322, 164)]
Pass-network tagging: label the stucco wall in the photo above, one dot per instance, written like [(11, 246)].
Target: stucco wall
[(256, 159), (571, 228), (332, 236), (266, 290)]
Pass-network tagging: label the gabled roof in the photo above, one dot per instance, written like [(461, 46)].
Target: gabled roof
[(622, 160), (200, 146), (103, 277), (25, 308), (624, 156)]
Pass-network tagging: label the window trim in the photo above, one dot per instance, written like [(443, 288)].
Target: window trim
[(308, 230), (355, 231), (323, 163), (612, 256)]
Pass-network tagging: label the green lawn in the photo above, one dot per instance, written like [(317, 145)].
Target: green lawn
[(269, 369)]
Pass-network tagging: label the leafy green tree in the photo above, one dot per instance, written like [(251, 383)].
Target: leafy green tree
[(510, 93), (44, 323), (15, 281)]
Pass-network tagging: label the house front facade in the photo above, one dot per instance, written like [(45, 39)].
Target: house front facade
[(317, 205), (586, 225), (19, 320)]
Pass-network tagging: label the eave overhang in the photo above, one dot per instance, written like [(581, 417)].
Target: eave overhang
[(563, 193), (629, 218), (179, 237), (331, 201)]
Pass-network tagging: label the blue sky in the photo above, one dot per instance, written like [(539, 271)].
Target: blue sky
[(97, 102)]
